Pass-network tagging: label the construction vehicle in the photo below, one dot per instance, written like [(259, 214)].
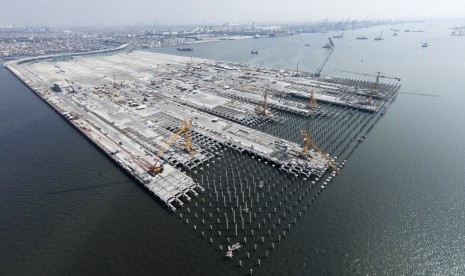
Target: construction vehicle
[(312, 104), (308, 142), (374, 90), (263, 109), (185, 129), (331, 49)]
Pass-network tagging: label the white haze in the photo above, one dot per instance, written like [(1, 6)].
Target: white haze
[(118, 12)]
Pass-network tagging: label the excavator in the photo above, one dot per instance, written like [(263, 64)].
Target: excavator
[(185, 129), (309, 142)]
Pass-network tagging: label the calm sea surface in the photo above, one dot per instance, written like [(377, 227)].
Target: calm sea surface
[(398, 208)]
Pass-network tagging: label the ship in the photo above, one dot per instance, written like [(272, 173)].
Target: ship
[(379, 37), (185, 49), (339, 36), (458, 31), (361, 37), (424, 45), (254, 52), (306, 44)]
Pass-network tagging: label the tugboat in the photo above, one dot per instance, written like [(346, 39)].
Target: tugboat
[(185, 49), (254, 52)]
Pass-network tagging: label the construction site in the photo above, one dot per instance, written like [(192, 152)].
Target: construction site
[(239, 152)]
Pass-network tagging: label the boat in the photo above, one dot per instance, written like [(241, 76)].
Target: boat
[(229, 254), (339, 36), (394, 34), (254, 52), (379, 37), (185, 49), (233, 247), (307, 44), (458, 31), (424, 45), (361, 37)]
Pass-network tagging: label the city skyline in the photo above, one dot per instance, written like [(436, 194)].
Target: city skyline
[(105, 12)]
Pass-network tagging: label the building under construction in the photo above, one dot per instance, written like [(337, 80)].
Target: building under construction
[(244, 150)]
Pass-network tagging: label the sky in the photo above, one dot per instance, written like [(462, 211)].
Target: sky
[(130, 12)]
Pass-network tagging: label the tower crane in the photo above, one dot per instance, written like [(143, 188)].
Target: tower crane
[(309, 142), (185, 128), (378, 76)]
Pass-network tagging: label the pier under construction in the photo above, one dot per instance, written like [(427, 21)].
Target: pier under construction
[(239, 152)]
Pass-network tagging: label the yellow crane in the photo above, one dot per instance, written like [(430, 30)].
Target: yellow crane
[(312, 103), (263, 109), (185, 128), (309, 142)]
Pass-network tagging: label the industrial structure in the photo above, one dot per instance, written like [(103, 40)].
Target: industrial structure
[(240, 152)]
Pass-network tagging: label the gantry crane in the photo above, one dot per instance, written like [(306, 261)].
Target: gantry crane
[(185, 128), (312, 104), (309, 142), (378, 76), (263, 109)]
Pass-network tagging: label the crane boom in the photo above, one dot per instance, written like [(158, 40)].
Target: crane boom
[(309, 142), (184, 129), (377, 76), (318, 71), (73, 90)]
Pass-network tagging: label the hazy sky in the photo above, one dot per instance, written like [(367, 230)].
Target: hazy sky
[(117, 12)]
